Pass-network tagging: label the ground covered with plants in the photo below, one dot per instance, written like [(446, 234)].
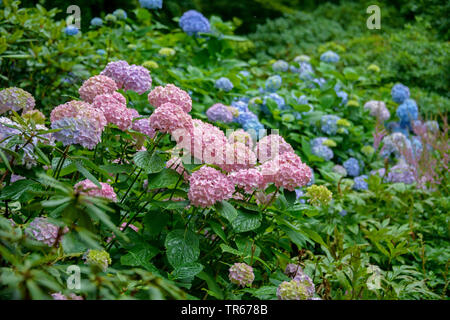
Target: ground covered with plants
[(141, 159)]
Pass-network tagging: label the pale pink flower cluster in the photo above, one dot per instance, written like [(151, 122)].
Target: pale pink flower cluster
[(248, 179), (205, 142), (286, 170), (170, 93), (87, 187), (95, 86), (79, 109), (169, 118), (237, 156), (115, 109), (60, 296), (208, 186), (271, 146)]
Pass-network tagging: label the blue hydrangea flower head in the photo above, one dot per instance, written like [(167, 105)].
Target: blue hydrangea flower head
[(321, 150), (280, 66), (329, 124), (71, 30), (343, 213), (360, 183), (316, 82), (352, 167), (416, 146), (151, 4), (224, 84), (299, 194), (244, 73), (101, 52), (97, 22), (399, 93), (245, 117), (193, 22), (120, 14), (341, 94), (305, 70), (329, 56), (273, 83), (255, 129), (407, 112), (240, 105)]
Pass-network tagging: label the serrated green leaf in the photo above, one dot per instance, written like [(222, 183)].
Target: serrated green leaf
[(182, 247)]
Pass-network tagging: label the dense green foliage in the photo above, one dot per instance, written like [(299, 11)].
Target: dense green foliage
[(396, 234)]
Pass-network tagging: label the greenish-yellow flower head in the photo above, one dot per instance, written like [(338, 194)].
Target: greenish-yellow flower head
[(319, 195)]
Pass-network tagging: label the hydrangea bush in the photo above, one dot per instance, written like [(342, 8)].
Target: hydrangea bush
[(178, 172)]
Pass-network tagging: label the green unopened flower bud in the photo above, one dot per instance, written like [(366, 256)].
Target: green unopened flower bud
[(367, 150), (352, 103), (234, 111), (255, 101), (342, 130), (110, 18), (99, 258), (131, 46), (37, 116), (287, 117), (292, 290), (329, 143), (150, 64), (166, 52), (318, 195), (374, 68), (343, 122)]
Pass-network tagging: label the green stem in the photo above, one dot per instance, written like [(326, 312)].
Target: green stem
[(271, 199), (131, 185)]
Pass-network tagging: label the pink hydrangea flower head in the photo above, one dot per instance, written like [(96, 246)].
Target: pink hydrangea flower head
[(287, 171), (40, 229), (95, 86), (143, 126), (116, 70), (119, 97), (170, 93), (241, 274), (205, 142), (79, 109), (241, 136), (248, 179), (377, 109), (208, 186), (169, 118), (60, 296), (87, 187), (138, 79), (237, 156), (115, 112), (271, 146)]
